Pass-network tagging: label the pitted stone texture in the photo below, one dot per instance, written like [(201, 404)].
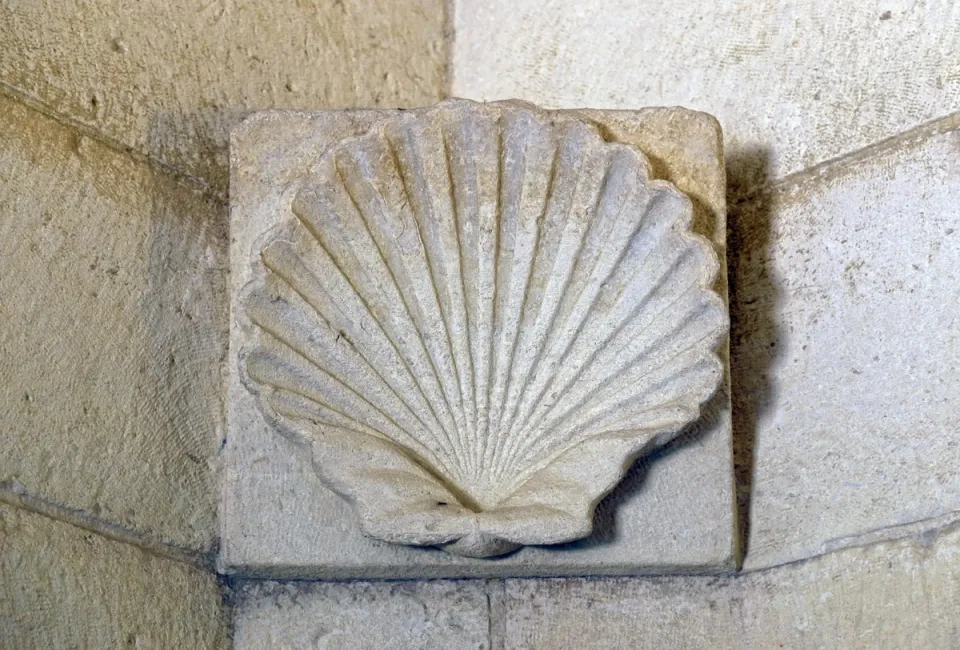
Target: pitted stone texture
[(846, 347), (359, 616), (674, 514), (112, 328), (792, 83), (477, 319), (65, 587), (170, 77), (901, 595)]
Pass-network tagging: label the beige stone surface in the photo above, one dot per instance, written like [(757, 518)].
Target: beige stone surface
[(169, 78), (112, 329), (436, 615), (475, 364), (846, 347), (673, 513), (65, 587), (901, 595), (845, 318), (792, 83)]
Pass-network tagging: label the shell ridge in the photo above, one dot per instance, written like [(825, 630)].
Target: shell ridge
[(307, 222), (589, 293), (340, 410), (539, 227), (466, 239), (294, 406), (467, 390), (697, 372), (515, 160), (488, 448), (322, 304), (439, 400), (423, 217), (486, 136), (302, 403)]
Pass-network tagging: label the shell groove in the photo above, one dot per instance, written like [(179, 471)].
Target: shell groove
[(477, 317)]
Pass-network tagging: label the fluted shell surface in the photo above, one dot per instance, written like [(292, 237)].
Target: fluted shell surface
[(477, 317)]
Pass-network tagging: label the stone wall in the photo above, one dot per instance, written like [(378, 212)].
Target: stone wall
[(65, 587), (113, 237), (842, 142), (843, 165), (167, 80), (897, 594)]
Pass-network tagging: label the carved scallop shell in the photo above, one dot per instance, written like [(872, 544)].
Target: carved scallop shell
[(478, 316)]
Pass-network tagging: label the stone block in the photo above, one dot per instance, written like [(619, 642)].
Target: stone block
[(901, 595), (169, 78), (793, 84), (65, 587), (846, 347), (112, 329), (436, 615), (673, 513)]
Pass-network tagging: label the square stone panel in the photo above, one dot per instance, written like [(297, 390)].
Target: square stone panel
[(673, 513)]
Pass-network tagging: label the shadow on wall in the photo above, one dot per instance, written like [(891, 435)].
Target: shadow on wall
[(197, 141), (605, 529), (754, 331), (743, 171), (183, 314), (754, 337)]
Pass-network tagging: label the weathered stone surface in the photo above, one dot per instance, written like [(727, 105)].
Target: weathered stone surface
[(358, 616), (475, 319), (112, 329), (901, 595), (846, 347), (793, 84), (845, 318), (169, 78), (674, 514), (65, 587)]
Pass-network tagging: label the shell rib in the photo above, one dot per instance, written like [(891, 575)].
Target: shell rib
[(478, 316)]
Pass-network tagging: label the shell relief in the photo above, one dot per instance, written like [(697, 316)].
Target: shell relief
[(477, 317)]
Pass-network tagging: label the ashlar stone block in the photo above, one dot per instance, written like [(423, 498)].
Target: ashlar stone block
[(112, 328), (847, 357), (896, 595), (476, 317), (435, 615), (169, 78), (66, 587), (793, 83)]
